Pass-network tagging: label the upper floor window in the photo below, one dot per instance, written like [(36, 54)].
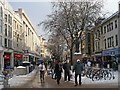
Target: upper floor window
[(17, 39), (115, 23), (1, 12), (10, 31), (0, 40), (5, 42), (10, 43), (104, 29), (5, 17), (105, 43), (116, 37), (112, 39), (108, 28), (9, 19), (1, 24), (5, 29), (108, 41), (112, 25), (17, 45)]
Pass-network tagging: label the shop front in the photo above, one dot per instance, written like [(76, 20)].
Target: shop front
[(7, 57), (112, 56), (98, 57), (18, 58)]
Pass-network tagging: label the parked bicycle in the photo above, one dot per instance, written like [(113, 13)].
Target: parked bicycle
[(102, 73), (88, 72)]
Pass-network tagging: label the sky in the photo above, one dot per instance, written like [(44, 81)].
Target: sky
[(38, 11)]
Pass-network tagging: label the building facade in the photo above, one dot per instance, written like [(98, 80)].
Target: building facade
[(6, 36), (107, 39), (31, 41), (111, 49), (18, 39)]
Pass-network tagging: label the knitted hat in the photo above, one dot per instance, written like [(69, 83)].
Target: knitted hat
[(78, 60)]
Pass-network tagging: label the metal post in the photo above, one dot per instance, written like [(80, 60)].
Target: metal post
[(5, 82)]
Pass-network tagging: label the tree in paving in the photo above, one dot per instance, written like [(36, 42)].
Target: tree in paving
[(70, 19), (55, 44)]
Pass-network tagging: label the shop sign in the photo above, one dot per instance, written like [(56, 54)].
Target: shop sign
[(111, 52), (18, 56), (6, 56)]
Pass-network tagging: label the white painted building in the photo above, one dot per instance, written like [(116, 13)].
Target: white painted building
[(107, 39), (6, 46)]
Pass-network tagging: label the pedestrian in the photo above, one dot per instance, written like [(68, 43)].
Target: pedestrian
[(42, 70), (46, 64), (78, 68), (58, 71), (67, 68), (89, 63)]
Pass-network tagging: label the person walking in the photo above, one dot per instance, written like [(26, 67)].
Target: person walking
[(67, 68), (42, 70), (78, 67), (58, 71)]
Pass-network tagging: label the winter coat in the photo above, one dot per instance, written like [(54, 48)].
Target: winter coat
[(66, 67), (78, 68), (41, 67), (58, 70)]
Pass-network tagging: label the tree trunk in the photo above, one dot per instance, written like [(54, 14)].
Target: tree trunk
[(71, 55)]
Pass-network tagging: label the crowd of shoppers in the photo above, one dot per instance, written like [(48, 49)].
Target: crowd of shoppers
[(58, 67)]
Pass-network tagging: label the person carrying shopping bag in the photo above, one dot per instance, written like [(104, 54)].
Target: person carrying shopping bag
[(42, 71)]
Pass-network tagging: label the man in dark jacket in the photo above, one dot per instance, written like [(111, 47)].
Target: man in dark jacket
[(58, 71), (78, 67), (67, 68)]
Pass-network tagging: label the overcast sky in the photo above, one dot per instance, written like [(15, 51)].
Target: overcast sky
[(37, 11)]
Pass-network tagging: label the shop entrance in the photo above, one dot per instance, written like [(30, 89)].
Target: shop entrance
[(7, 61)]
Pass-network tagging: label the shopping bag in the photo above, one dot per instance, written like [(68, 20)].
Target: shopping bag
[(71, 75)]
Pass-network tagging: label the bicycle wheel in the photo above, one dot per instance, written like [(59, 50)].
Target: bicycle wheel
[(107, 75), (96, 76), (88, 73)]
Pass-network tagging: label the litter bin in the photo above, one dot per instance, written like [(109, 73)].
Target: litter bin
[(27, 65), (21, 70)]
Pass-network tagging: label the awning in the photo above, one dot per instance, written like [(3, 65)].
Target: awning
[(18, 56)]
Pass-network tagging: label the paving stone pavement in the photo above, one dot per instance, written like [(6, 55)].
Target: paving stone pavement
[(51, 83)]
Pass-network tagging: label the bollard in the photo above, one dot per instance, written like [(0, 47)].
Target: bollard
[(5, 82)]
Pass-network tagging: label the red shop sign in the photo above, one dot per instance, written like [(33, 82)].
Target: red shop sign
[(6, 56), (18, 55)]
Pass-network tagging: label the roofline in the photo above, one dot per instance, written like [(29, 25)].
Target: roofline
[(110, 17)]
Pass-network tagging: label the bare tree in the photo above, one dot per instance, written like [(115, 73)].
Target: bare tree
[(70, 19)]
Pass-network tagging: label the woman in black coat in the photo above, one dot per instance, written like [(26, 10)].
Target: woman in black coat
[(58, 71)]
